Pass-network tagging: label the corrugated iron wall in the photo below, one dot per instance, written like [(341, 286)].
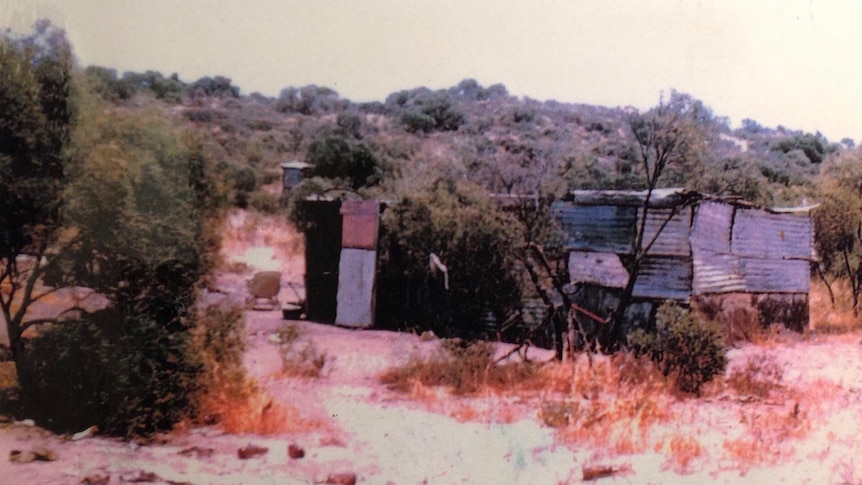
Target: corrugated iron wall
[(674, 238), (760, 234), (600, 228), (750, 250)]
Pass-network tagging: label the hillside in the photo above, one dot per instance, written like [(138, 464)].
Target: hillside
[(504, 143)]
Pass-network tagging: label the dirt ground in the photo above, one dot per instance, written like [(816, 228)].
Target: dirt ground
[(805, 430)]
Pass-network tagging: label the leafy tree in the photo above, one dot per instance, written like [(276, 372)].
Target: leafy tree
[(310, 100), (335, 158), (168, 89), (218, 86), (133, 232), (838, 222), (38, 113), (738, 177), (104, 81), (813, 146)]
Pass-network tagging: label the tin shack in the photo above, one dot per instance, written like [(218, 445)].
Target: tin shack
[(724, 257)]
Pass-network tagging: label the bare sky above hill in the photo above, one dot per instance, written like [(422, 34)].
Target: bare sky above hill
[(792, 62)]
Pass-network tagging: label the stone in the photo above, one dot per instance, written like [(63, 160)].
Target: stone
[(251, 451), (295, 452), (341, 479)]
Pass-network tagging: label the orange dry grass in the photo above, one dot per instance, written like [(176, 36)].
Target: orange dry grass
[(683, 451), (252, 410), (617, 403), (768, 437)]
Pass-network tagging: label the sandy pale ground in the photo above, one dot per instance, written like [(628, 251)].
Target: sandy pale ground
[(808, 431)]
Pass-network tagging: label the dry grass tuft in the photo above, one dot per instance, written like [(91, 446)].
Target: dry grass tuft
[(299, 359), (463, 368), (759, 377), (768, 436), (227, 396), (682, 452), (614, 405)]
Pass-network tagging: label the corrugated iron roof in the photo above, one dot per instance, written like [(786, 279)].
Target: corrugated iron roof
[(295, 164), (659, 197)]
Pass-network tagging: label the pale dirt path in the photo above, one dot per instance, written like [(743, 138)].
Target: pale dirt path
[(387, 439)]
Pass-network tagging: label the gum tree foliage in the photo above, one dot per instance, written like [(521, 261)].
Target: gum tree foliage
[(347, 161), (310, 100), (424, 111), (38, 111), (218, 86), (133, 232), (838, 222), (169, 89)]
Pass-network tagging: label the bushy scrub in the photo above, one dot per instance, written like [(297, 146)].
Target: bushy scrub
[(128, 375), (689, 351), (469, 235)]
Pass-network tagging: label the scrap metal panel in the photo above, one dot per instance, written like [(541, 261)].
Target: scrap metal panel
[(602, 228), (361, 223), (674, 237), (356, 273), (603, 269), (760, 234), (775, 275), (665, 278), (711, 227), (716, 272)]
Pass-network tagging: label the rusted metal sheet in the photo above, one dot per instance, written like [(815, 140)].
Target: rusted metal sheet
[(664, 277), (716, 272), (361, 223), (673, 240), (760, 234), (603, 269), (775, 275), (603, 228), (726, 273), (711, 228), (356, 273)]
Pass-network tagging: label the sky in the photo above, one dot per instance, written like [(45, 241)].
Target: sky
[(796, 63)]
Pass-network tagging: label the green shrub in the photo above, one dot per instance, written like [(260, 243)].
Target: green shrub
[(689, 351), (129, 376), (472, 237), (265, 202)]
